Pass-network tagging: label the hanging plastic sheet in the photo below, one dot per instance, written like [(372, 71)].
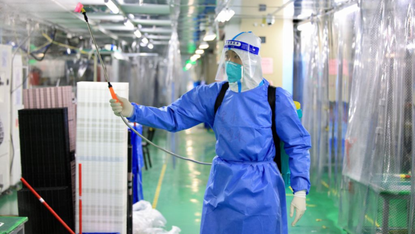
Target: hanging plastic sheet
[(326, 69), (377, 163), (175, 82), (315, 97), (358, 66), (340, 69), (410, 72), (142, 80)]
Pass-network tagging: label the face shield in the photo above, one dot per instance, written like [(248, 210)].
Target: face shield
[(240, 63)]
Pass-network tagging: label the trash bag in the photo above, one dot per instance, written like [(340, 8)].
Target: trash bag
[(147, 220)]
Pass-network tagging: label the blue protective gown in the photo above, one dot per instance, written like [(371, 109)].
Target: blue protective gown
[(245, 193)]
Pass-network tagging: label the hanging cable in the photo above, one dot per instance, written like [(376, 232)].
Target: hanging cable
[(46, 50), (160, 148)]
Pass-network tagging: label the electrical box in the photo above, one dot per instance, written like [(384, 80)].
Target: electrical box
[(5, 73)]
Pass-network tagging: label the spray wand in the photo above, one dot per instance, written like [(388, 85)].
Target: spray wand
[(80, 9)]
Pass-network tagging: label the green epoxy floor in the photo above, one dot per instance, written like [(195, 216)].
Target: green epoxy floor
[(181, 195)]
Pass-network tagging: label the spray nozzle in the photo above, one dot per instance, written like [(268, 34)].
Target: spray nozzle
[(79, 7)]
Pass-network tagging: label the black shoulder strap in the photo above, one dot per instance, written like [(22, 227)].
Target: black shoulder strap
[(221, 95), (271, 101)]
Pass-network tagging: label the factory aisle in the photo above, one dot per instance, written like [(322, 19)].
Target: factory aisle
[(181, 190), (179, 196)]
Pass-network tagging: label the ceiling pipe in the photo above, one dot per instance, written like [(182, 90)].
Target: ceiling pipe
[(158, 37), (148, 9), (149, 36), (120, 27), (156, 22), (160, 42), (103, 16), (152, 22), (157, 30)]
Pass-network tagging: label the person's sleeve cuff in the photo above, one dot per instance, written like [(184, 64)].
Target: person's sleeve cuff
[(132, 118), (299, 184)]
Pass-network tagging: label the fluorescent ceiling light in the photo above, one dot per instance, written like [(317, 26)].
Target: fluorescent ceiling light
[(230, 14), (225, 15), (200, 51), (191, 10), (188, 66), (210, 36), (150, 46), (137, 33), (144, 40), (128, 24), (195, 57), (204, 45), (112, 6)]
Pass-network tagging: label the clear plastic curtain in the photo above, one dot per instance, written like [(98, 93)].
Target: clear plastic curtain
[(142, 78), (379, 153), (410, 72), (174, 71), (326, 69), (358, 67), (315, 95)]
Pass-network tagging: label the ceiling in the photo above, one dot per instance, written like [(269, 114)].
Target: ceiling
[(154, 17)]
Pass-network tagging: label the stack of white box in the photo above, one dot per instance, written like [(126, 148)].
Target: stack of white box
[(101, 148)]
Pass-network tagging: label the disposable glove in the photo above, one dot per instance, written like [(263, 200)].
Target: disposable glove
[(124, 107), (298, 203)]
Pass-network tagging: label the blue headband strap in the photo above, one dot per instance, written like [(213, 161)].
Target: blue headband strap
[(233, 44), (238, 35)]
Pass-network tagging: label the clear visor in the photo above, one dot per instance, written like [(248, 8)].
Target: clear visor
[(243, 54)]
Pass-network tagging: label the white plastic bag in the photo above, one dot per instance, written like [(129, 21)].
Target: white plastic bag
[(147, 220), (174, 230)]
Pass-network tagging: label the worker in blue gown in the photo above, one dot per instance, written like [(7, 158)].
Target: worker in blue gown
[(245, 193)]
